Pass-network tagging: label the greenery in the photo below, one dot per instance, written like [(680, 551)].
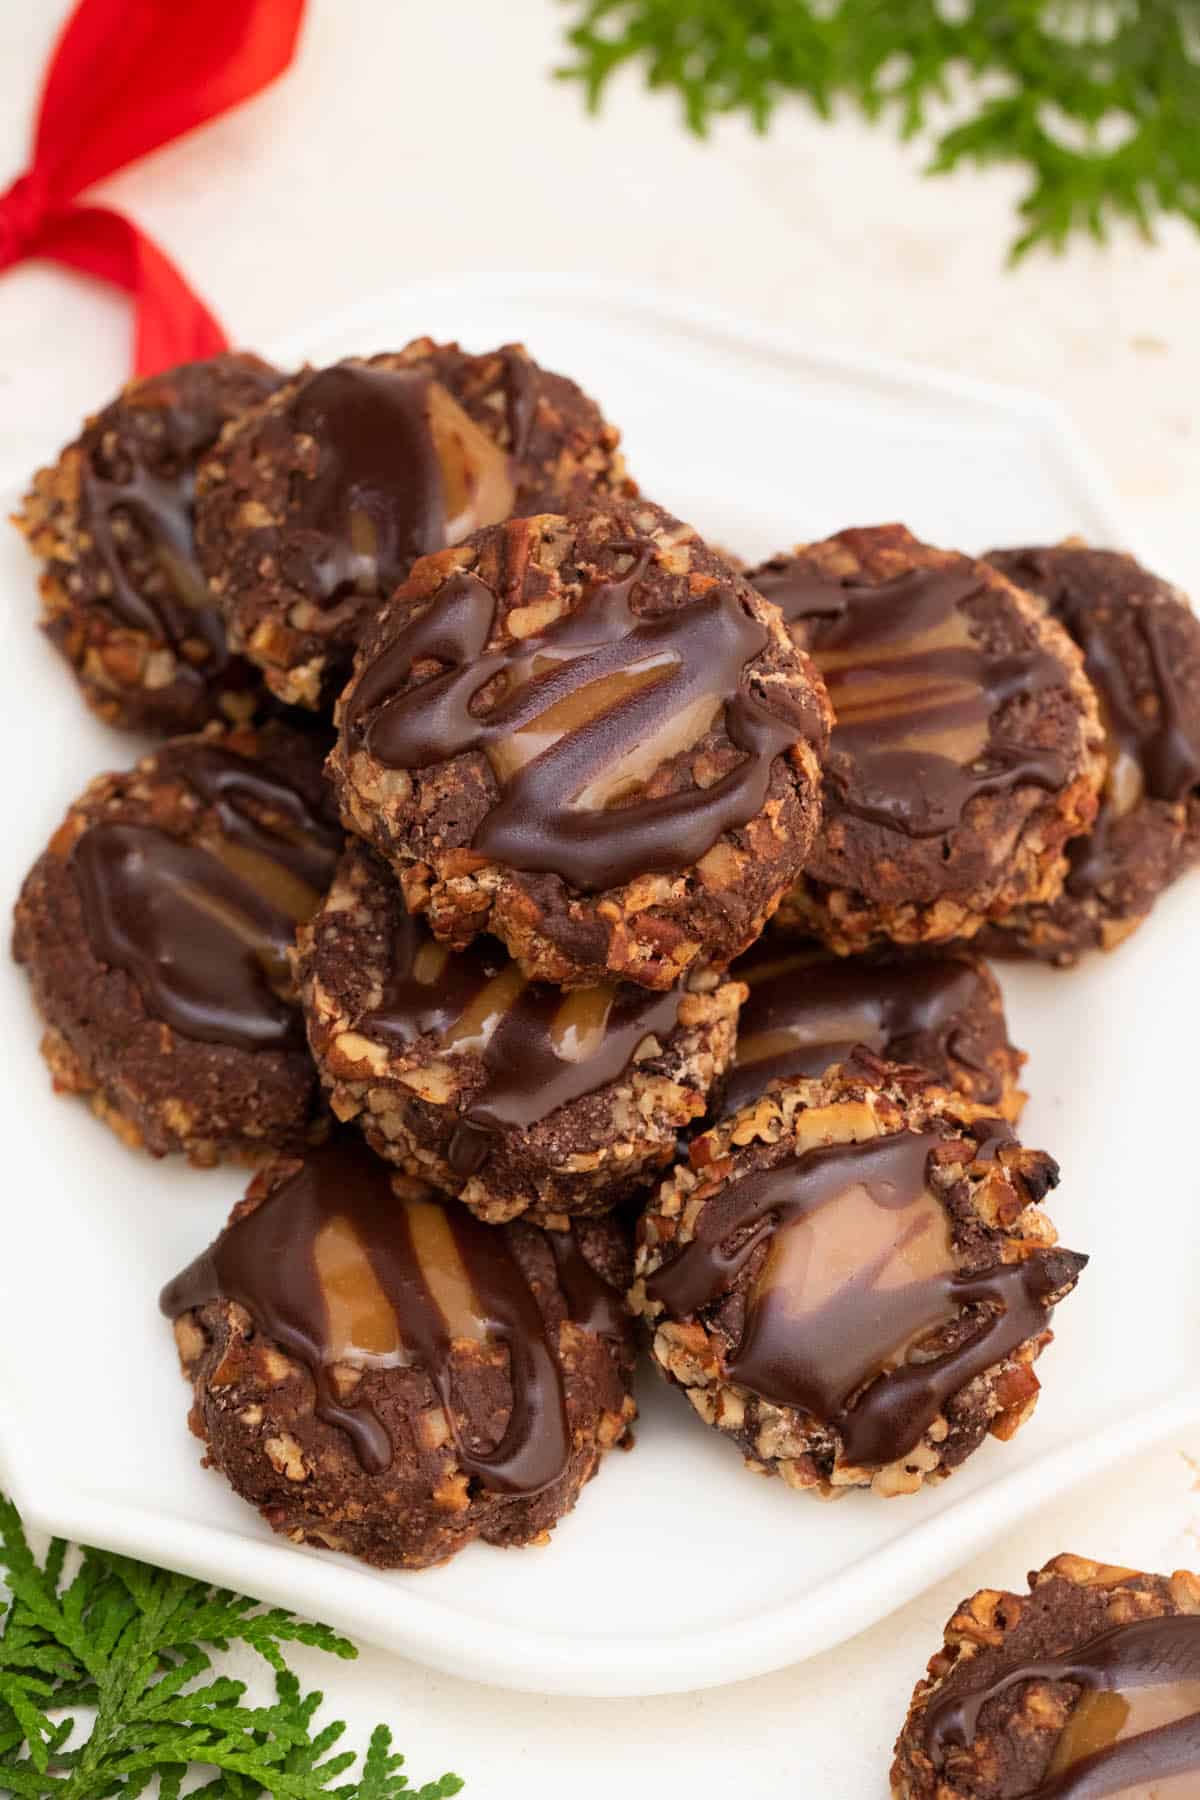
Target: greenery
[(129, 1644), (1097, 100)]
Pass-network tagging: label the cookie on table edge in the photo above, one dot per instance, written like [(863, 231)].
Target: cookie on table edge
[(1007, 1712)]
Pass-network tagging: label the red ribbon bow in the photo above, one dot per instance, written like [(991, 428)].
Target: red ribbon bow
[(125, 77)]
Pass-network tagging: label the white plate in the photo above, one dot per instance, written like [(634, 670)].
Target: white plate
[(678, 1570)]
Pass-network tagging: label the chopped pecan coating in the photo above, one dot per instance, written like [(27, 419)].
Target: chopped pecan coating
[(124, 599), (853, 1278), (967, 748), (620, 775), (517, 1098)]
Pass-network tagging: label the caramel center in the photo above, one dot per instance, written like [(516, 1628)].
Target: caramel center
[(825, 1253), (443, 1270), (589, 701), (361, 1321), (285, 890), (477, 483), (890, 692), (578, 1027), (1103, 1718), (480, 1018)]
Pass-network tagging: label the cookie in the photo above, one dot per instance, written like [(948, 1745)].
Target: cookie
[(590, 737), (966, 750), (517, 1097), (155, 930), (124, 599), (379, 1373), (1088, 1685), (808, 1009), (314, 508), (853, 1279), (1141, 649)]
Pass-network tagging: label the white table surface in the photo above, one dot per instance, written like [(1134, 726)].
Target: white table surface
[(424, 139)]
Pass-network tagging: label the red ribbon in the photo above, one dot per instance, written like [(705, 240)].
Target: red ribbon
[(125, 77)]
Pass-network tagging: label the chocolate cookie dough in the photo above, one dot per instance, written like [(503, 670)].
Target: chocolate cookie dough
[(807, 1009), (123, 596), (1087, 1686), (517, 1097), (1141, 649), (590, 737), (156, 929), (966, 749), (314, 508), (853, 1279), (379, 1373)]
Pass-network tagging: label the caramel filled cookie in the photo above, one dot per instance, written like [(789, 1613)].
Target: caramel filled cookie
[(317, 506), (156, 928), (379, 1373), (808, 1009), (515, 1096), (1087, 1686), (1141, 649), (590, 737), (123, 596), (852, 1277), (966, 748)]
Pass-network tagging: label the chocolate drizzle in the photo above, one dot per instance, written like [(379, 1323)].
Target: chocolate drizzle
[(158, 501), (377, 491), (336, 1268), (808, 1010), (534, 1048), (259, 811), (1134, 1724), (401, 471), (204, 930), (1152, 753), (576, 723), (521, 398), (1149, 758), (162, 509), (1170, 754), (836, 1344), (914, 693), (591, 1302)]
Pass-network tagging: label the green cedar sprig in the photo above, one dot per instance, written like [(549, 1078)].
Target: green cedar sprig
[(1098, 100), (129, 1644)]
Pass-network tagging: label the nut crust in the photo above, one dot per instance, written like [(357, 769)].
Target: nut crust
[(253, 1408), (1157, 840), (585, 1157), (1070, 1601), (970, 1052), (158, 1090), (992, 1210), (130, 677), (865, 882), (654, 928), (247, 494)]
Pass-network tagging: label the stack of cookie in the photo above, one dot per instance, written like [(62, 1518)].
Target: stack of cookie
[(529, 868)]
